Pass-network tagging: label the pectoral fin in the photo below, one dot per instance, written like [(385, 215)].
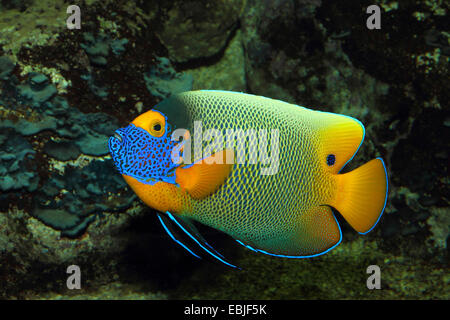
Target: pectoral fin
[(204, 177)]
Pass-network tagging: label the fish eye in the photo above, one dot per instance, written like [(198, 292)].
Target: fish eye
[(331, 159), (152, 121), (157, 128)]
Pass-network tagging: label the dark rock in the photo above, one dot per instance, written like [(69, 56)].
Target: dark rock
[(273, 60), (410, 229), (195, 29), (429, 200), (162, 80), (391, 226), (310, 52), (63, 151), (437, 38), (96, 87)]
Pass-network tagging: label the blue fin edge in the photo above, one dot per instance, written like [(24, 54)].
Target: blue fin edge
[(297, 257), (198, 242), (174, 239)]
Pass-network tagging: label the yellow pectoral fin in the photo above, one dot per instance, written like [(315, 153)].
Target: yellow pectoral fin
[(203, 178)]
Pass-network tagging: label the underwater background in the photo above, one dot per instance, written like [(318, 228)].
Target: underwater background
[(64, 92)]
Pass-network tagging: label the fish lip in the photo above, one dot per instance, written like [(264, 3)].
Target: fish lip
[(118, 136)]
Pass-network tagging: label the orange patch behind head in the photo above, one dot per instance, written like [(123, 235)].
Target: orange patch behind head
[(161, 196)]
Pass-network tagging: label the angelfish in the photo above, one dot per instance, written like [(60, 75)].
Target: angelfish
[(286, 213)]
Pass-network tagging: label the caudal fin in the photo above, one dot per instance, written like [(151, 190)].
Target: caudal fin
[(362, 195)]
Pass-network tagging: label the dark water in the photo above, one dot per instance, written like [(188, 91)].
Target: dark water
[(63, 92)]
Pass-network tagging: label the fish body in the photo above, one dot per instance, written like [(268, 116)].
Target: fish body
[(264, 171)]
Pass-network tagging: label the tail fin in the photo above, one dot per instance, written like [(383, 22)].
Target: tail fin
[(362, 194)]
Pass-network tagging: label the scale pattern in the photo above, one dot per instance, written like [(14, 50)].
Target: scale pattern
[(270, 212)]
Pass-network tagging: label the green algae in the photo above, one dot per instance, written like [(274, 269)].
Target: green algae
[(38, 25)]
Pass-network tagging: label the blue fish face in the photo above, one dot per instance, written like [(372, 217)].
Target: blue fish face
[(142, 156)]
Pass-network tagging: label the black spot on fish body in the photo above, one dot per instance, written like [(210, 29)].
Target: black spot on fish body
[(331, 159)]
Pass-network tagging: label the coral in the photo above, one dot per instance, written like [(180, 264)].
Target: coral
[(97, 48), (6, 67), (61, 201), (428, 59), (55, 76), (17, 170), (96, 87), (90, 131), (68, 201), (37, 90), (15, 4), (33, 253)]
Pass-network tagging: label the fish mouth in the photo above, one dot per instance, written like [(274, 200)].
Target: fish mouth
[(118, 136), (115, 145)]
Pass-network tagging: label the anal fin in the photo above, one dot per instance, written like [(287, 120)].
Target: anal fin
[(316, 232)]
